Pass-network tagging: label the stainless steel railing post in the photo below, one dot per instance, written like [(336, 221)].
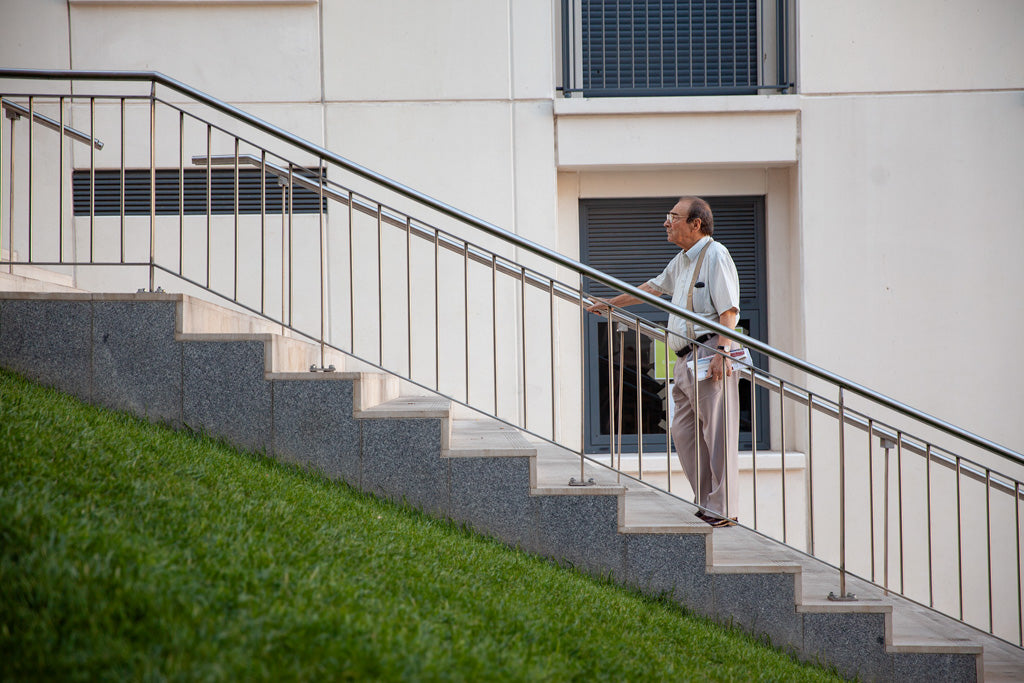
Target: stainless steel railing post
[(9, 179), (437, 301), (928, 516), (694, 351), (639, 398), (31, 159), (209, 206), (522, 331), (959, 542), (782, 454), (669, 382), (809, 477), (494, 326), (351, 276), (263, 229), (988, 544), (753, 442), (1020, 599), (408, 291), (323, 255), (610, 352), (871, 494), (621, 330), (234, 259), (92, 177), (60, 185), (554, 388), (122, 179), (843, 595), (152, 190), (899, 492), (380, 290), (181, 201)]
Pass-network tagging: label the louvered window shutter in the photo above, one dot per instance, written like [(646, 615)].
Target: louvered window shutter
[(170, 195), (652, 47)]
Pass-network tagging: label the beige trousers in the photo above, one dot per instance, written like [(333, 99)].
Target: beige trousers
[(705, 430)]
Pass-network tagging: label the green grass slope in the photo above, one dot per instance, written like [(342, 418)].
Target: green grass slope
[(131, 551)]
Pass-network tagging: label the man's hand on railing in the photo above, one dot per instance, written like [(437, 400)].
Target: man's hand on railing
[(599, 306)]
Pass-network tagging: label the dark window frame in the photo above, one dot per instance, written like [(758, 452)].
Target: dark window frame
[(753, 314)]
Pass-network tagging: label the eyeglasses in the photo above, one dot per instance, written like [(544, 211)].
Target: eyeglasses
[(673, 217)]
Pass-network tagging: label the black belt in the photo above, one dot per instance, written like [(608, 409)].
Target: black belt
[(685, 351)]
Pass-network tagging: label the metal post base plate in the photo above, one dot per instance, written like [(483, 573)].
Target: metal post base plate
[(588, 482), (849, 597), (320, 368)]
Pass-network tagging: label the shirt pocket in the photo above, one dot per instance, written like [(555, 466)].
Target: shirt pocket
[(702, 298)]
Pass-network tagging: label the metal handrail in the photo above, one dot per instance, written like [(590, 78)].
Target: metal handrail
[(15, 109), (219, 105), (289, 173)]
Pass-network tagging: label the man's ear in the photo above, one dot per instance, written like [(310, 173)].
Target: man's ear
[(698, 222)]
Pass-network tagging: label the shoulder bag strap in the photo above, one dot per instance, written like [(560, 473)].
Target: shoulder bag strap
[(693, 281)]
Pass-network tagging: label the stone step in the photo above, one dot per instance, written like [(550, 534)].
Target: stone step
[(24, 278)]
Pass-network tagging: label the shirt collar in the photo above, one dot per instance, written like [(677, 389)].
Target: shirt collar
[(692, 252)]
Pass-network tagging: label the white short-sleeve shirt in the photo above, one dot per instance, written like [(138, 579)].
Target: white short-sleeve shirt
[(717, 289)]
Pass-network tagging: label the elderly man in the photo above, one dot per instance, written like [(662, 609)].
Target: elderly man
[(705, 427)]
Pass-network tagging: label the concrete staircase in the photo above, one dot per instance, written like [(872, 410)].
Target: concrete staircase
[(187, 363)]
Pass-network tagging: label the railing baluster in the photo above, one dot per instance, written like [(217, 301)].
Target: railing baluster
[(380, 285), (639, 398), (181, 198), (885, 528), (351, 273), (31, 159), (696, 420), (610, 352), (284, 244), (753, 442), (152, 190), (522, 330), (437, 311), (988, 543), (465, 310), (122, 185), (263, 230), (209, 206), (92, 176), (583, 370), (408, 291), (928, 515), (810, 470), (291, 243), (842, 496), (1016, 521), (234, 260), (60, 185), (782, 441), (959, 542), (899, 490), (494, 327), (10, 180), (871, 494), (323, 255), (669, 381), (554, 389)]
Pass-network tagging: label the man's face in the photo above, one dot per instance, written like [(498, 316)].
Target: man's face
[(680, 233)]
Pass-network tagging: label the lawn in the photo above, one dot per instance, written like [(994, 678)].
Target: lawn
[(131, 551)]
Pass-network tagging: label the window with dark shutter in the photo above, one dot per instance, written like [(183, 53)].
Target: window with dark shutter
[(106, 186), (655, 47), (626, 239)]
